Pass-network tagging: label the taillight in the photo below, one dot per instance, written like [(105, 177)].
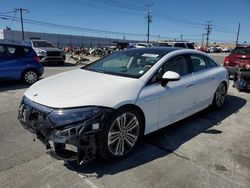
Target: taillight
[(36, 59), (226, 61)]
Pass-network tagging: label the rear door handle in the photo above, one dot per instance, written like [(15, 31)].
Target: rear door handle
[(190, 85), (212, 78)]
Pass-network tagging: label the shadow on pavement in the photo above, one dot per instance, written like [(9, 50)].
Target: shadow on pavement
[(55, 64), (12, 85), (165, 141)]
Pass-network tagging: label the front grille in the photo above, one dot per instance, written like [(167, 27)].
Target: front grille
[(33, 116), (53, 53)]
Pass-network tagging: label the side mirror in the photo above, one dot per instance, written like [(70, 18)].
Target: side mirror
[(169, 76)]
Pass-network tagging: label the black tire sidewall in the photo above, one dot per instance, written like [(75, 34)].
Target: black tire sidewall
[(103, 137)]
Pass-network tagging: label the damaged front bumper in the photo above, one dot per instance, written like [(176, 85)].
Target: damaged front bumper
[(59, 128)]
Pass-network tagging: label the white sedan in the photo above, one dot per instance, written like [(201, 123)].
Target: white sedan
[(107, 106)]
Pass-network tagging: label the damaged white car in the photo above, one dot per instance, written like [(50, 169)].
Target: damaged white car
[(107, 106)]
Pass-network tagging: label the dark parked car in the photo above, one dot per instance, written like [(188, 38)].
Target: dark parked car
[(239, 57), (19, 62)]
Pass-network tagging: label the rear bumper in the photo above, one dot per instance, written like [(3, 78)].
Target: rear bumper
[(44, 59)]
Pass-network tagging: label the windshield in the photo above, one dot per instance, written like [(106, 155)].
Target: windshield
[(129, 63), (241, 50), (42, 44)]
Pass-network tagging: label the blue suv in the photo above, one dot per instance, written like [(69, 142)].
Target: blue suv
[(19, 62)]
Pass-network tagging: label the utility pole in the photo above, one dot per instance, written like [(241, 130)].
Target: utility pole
[(238, 33), (181, 36), (21, 15), (208, 30), (202, 41), (149, 20)]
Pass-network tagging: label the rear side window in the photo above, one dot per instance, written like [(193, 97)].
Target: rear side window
[(210, 63), (23, 51), (241, 50), (181, 45), (190, 45), (198, 62)]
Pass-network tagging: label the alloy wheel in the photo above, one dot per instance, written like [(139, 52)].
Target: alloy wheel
[(123, 134), (30, 77)]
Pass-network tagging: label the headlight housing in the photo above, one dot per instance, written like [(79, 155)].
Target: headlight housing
[(41, 52), (68, 116)]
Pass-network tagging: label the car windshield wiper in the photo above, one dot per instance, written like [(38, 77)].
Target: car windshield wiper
[(97, 70)]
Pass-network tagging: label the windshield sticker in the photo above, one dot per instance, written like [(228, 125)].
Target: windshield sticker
[(141, 72), (150, 55)]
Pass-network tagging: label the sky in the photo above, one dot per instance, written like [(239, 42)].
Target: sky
[(171, 19)]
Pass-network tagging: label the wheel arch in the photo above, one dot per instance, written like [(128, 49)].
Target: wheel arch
[(139, 110), (28, 69)]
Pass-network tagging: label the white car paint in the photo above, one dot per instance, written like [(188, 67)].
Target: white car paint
[(161, 105)]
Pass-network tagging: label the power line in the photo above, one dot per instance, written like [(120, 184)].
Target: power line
[(12, 19), (47, 24)]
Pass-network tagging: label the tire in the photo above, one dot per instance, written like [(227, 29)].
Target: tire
[(220, 96), (120, 134), (61, 63), (30, 76)]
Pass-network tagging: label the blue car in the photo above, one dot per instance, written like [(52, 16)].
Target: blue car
[(19, 62)]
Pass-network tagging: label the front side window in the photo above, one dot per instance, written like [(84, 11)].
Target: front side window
[(130, 63), (11, 51), (177, 64)]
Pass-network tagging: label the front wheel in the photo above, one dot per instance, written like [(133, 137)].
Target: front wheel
[(220, 96), (121, 134)]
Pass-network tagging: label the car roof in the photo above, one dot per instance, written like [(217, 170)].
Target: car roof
[(14, 44), (155, 49)]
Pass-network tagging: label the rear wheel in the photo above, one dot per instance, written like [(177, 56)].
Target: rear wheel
[(30, 76), (220, 96), (121, 134)]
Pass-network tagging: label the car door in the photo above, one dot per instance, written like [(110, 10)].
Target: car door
[(10, 64), (2, 61), (163, 105), (205, 79), (177, 97)]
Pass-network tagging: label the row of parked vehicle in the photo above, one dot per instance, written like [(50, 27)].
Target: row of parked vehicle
[(25, 61)]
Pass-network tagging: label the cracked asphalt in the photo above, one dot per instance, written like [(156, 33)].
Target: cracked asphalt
[(209, 149)]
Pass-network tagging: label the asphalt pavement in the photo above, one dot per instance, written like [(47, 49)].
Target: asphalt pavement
[(209, 149)]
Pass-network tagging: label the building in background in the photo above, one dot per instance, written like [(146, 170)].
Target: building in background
[(8, 35)]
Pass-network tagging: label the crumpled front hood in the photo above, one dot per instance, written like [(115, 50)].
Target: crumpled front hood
[(84, 88)]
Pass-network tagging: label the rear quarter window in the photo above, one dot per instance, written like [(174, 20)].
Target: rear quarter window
[(210, 63)]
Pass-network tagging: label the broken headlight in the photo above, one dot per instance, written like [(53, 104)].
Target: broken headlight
[(68, 116)]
